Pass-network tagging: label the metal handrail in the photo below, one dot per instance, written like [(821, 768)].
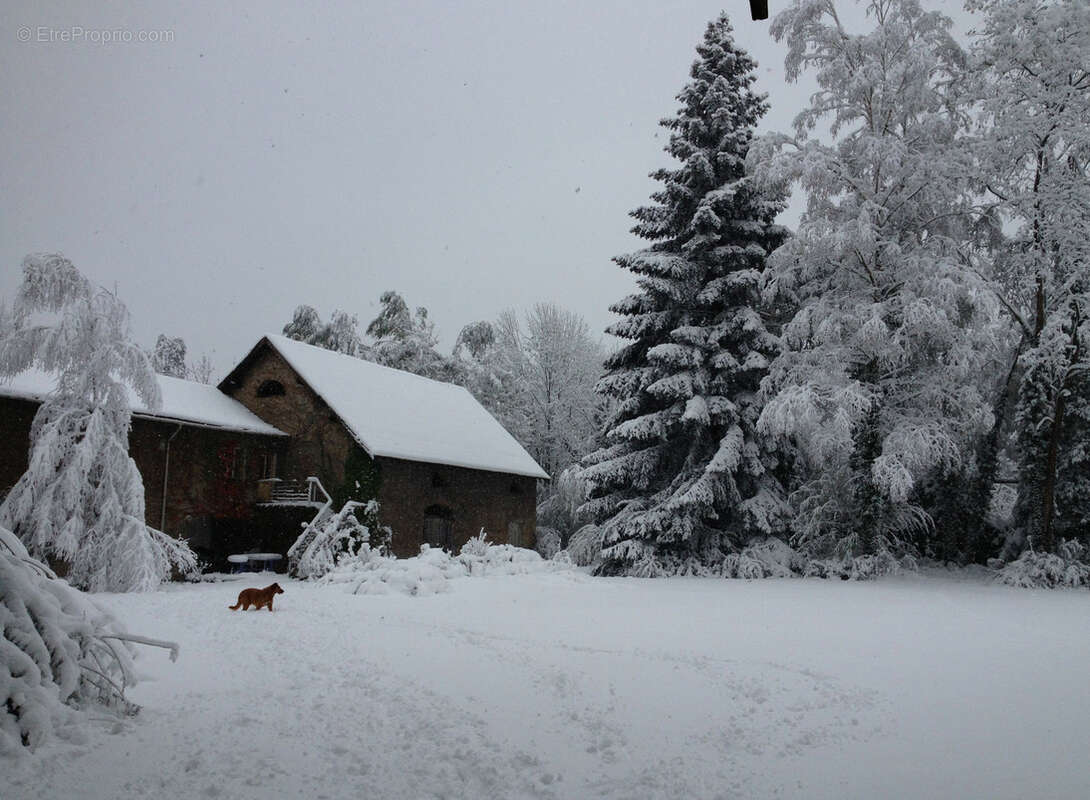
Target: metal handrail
[(301, 544)]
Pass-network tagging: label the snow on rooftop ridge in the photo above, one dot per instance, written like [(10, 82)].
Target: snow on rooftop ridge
[(183, 401), (397, 414)]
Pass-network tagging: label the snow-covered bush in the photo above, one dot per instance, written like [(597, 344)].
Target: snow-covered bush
[(767, 558), (431, 571), (585, 545), (548, 541), (81, 500), (1067, 567), (60, 653), (426, 574), (771, 558), (559, 509), (332, 538), (476, 546), (859, 568), (506, 559)]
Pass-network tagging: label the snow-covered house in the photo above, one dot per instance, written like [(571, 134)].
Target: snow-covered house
[(230, 468), (441, 467)]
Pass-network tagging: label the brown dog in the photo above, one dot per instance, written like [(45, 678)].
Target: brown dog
[(257, 598)]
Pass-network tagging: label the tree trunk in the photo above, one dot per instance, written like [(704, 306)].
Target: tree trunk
[(1048, 485)]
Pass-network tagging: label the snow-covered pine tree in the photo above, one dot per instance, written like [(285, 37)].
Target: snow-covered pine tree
[(878, 378), (81, 499), (685, 480), (168, 358), (340, 334), (407, 341), (1034, 56)]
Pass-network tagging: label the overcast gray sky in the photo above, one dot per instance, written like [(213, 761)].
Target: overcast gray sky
[(473, 156)]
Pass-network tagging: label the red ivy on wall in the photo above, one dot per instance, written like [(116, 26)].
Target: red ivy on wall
[(230, 485)]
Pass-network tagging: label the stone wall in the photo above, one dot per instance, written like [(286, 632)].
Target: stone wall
[(319, 444), (473, 498), (212, 472)]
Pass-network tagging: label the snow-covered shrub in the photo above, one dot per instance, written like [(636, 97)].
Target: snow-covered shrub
[(476, 546), (506, 559), (60, 652), (548, 542), (426, 574), (559, 509), (649, 566), (81, 500), (563, 560), (585, 545), (1067, 567), (860, 568), (771, 558), (432, 570), (332, 538)]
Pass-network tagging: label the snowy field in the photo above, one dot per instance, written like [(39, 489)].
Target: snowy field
[(562, 686)]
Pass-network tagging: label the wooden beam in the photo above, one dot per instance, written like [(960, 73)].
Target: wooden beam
[(759, 9)]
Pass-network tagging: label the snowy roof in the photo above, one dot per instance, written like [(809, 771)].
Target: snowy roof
[(397, 414), (183, 401)]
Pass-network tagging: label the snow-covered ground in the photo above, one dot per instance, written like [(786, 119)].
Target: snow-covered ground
[(562, 686)]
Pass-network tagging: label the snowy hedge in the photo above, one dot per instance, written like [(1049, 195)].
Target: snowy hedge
[(431, 571), (60, 653), (1034, 570)]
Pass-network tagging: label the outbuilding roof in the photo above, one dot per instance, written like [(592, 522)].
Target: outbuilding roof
[(397, 414), (183, 401)]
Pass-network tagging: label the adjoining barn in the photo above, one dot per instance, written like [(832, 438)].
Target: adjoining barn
[(199, 455), (441, 467), (230, 468)]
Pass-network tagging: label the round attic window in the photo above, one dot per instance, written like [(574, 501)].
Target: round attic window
[(270, 389)]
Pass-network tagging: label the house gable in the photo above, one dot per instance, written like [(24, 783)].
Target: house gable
[(396, 414), (320, 442)]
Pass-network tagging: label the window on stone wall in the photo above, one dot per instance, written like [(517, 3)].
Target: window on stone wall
[(233, 459), (270, 389), (437, 480), (268, 465), (515, 487), (514, 534), (439, 527)]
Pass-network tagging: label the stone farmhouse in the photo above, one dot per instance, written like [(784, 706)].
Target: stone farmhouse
[(241, 467)]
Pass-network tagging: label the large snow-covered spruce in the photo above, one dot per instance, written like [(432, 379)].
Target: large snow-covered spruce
[(81, 500), (879, 378), (684, 480)]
